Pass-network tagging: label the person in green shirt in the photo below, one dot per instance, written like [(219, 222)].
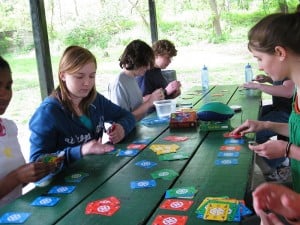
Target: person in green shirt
[(274, 42)]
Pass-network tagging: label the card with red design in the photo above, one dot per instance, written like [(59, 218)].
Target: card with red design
[(176, 204), (136, 146), (175, 138), (170, 219), (231, 135), (230, 148), (106, 207)]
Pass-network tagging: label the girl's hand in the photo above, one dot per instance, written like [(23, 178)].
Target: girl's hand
[(116, 133), (96, 147)]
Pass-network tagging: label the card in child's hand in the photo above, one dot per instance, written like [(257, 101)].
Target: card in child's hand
[(231, 135)]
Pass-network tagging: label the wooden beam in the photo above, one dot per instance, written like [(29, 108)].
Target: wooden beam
[(153, 21), (41, 43)]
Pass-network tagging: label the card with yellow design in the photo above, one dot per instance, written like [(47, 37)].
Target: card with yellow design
[(216, 211)]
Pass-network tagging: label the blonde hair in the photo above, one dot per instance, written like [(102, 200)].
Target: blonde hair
[(72, 60)]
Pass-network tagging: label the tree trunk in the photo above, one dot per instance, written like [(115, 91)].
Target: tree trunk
[(216, 17), (283, 7)]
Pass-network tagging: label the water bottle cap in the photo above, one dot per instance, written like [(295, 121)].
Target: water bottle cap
[(248, 65), (204, 67)]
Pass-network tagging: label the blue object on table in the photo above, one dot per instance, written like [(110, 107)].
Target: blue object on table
[(215, 111), (153, 121)]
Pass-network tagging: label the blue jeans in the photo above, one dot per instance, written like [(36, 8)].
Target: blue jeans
[(267, 114)]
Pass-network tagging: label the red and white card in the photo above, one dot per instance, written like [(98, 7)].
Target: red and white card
[(176, 204)]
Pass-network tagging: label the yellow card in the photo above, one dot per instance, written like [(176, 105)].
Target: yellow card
[(216, 211), (163, 147)]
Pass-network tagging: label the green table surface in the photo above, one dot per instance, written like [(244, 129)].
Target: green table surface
[(111, 176)]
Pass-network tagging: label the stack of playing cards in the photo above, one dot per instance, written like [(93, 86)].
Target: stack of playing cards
[(222, 209), (183, 192), (106, 206)]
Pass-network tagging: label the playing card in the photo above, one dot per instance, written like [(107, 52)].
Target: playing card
[(216, 211), (154, 121), (226, 162), (76, 177), (234, 141), (45, 201), (228, 154), (142, 184), (175, 138), (106, 206), (137, 146), (170, 220), (146, 164), (231, 135), (176, 204), (183, 192), (165, 174), (61, 189), (230, 148), (128, 152), (143, 141), (14, 217), (174, 156), (164, 147)]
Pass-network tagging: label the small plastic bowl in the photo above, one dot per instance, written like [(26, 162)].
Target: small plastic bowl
[(165, 107)]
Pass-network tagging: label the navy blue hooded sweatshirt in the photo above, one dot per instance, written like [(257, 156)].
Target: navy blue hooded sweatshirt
[(55, 129)]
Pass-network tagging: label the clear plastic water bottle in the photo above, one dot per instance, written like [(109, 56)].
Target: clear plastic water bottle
[(248, 73), (204, 78)]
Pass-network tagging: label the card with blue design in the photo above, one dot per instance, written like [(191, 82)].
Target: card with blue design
[(61, 189), (226, 162), (228, 154), (128, 152), (142, 141), (45, 201), (234, 141), (146, 164), (138, 184), (14, 217)]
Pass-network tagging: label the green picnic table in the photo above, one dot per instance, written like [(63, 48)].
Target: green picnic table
[(109, 175)]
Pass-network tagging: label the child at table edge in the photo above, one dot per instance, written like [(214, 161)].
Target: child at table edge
[(72, 118), (14, 173), (274, 41)]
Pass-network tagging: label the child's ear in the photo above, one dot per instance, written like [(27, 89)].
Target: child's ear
[(281, 52), (62, 76)]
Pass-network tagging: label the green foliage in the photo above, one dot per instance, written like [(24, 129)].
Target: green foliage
[(5, 42)]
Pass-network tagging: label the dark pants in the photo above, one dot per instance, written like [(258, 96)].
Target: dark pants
[(268, 114)]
